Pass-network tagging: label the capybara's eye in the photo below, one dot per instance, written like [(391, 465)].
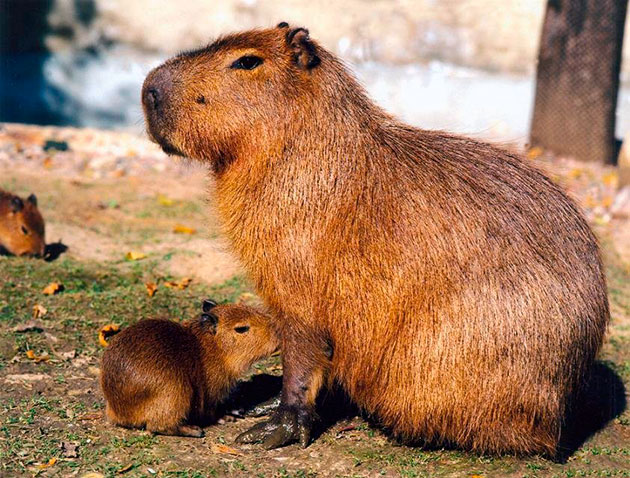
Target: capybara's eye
[(201, 99), (24, 231), (242, 329), (247, 62)]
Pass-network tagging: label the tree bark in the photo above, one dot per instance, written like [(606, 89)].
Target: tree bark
[(578, 78)]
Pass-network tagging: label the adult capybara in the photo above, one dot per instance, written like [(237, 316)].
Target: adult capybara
[(461, 290), (169, 377), (22, 231)]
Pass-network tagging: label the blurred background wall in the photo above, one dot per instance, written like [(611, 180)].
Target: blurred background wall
[(463, 65)]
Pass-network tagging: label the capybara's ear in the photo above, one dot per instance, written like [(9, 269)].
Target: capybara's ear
[(16, 204), (282, 25), (208, 305), (303, 49), (210, 321), (32, 199)]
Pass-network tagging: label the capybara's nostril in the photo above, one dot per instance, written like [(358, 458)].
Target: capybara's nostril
[(156, 89)]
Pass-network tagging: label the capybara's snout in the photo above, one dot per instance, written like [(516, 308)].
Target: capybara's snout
[(156, 90), (157, 94)]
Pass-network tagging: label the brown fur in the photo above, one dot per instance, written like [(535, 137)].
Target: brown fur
[(462, 290), (167, 376), (22, 229)]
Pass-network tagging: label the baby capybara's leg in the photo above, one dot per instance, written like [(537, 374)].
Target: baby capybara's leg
[(167, 414), (177, 429), (305, 365)]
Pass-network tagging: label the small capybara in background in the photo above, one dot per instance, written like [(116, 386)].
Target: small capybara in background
[(169, 377), (461, 290), (22, 231)]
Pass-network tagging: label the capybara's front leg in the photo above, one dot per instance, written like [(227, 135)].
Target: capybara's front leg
[(304, 367)]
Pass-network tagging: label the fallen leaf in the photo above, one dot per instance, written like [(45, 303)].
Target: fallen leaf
[(69, 450), (92, 474), (607, 201), (181, 285), (135, 256), (53, 288), (165, 201), (476, 476), (151, 288), (226, 450), (179, 229), (106, 332), (125, 469), (25, 377), (29, 326), (68, 355), (90, 416), (575, 173), (534, 152), (39, 311), (50, 463), (36, 358), (610, 179)]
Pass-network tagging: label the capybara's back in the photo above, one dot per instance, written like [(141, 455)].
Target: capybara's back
[(461, 290)]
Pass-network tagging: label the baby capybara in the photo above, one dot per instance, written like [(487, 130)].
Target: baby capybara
[(22, 231), (168, 377), (461, 290)]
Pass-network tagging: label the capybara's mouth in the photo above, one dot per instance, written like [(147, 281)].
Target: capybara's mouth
[(164, 143)]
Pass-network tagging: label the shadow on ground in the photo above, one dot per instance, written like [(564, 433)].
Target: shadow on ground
[(603, 400)]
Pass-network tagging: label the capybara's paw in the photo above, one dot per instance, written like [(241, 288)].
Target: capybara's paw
[(264, 408), (287, 425)]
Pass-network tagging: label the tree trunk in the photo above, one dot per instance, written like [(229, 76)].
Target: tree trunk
[(578, 78)]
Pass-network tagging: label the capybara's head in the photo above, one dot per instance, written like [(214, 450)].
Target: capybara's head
[(202, 103), (243, 334), (21, 226)]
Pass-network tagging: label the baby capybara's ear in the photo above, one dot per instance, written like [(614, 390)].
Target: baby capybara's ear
[(16, 204), (209, 322), (303, 49), (208, 305), (32, 199)]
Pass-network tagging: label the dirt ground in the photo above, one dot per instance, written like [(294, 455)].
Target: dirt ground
[(112, 194)]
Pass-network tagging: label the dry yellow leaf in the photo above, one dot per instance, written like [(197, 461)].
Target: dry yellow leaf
[(151, 288), (125, 469), (165, 201), (50, 463), (106, 332), (224, 449), (534, 152), (589, 202), (134, 256), (179, 229), (92, 474), (610, 179), (36, 358), (476, 476), (607, 201), (181, 285), (53, 288), (39, 311)]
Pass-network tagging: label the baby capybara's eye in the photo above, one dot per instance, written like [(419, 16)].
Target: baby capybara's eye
[(242, 329), (247, 62)]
